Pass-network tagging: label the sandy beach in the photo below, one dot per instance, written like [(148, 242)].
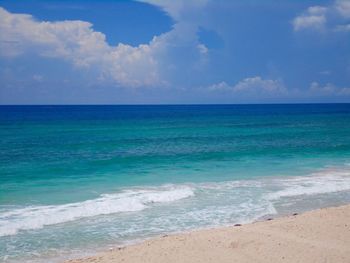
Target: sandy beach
[(317, 236)]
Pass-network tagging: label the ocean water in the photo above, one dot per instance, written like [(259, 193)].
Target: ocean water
[(77, 179)]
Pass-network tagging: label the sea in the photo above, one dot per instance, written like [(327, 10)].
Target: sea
[(75, 180)]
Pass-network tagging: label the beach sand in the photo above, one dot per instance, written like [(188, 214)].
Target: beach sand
[(317, 236)]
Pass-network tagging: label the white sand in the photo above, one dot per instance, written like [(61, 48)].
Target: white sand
[(318, 236)]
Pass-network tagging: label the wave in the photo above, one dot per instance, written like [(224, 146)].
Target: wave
[(35, 217), (211, 203), (323, 182)]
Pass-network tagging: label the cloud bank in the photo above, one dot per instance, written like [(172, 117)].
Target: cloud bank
[(256, 88), (253, 86)]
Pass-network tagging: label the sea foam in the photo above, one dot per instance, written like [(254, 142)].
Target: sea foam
[(35, 217), (323, 182), (220, 202)]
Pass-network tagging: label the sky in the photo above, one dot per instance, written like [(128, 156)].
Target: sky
[(174, 51)]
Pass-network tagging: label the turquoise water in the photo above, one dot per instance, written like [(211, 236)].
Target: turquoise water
[(76, 179)]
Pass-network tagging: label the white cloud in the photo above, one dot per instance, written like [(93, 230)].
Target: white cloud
[(314, 18), (259, 84), (202, 49), (183, 55), (77, 43), (317, 10), (343, 7), (315, 87), (22, 33), (256, 86), (328, 90), (178, 9), (258, 89), (221, 86), (321, 18)]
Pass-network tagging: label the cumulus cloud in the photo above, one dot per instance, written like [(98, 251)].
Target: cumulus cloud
[(78, 43), (320, 18), (314, 17), (256, 86)]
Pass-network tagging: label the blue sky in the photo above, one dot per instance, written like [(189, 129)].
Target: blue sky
[(160, 52)]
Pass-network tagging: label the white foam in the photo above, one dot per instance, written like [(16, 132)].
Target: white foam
[(221, 202), (323, 182), (36, 217)]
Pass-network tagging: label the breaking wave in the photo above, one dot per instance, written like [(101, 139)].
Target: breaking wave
[(35, 217)]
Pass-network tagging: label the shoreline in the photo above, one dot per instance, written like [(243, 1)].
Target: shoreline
[(321, 235)]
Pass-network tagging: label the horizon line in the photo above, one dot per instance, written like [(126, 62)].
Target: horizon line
[(179, 104)]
